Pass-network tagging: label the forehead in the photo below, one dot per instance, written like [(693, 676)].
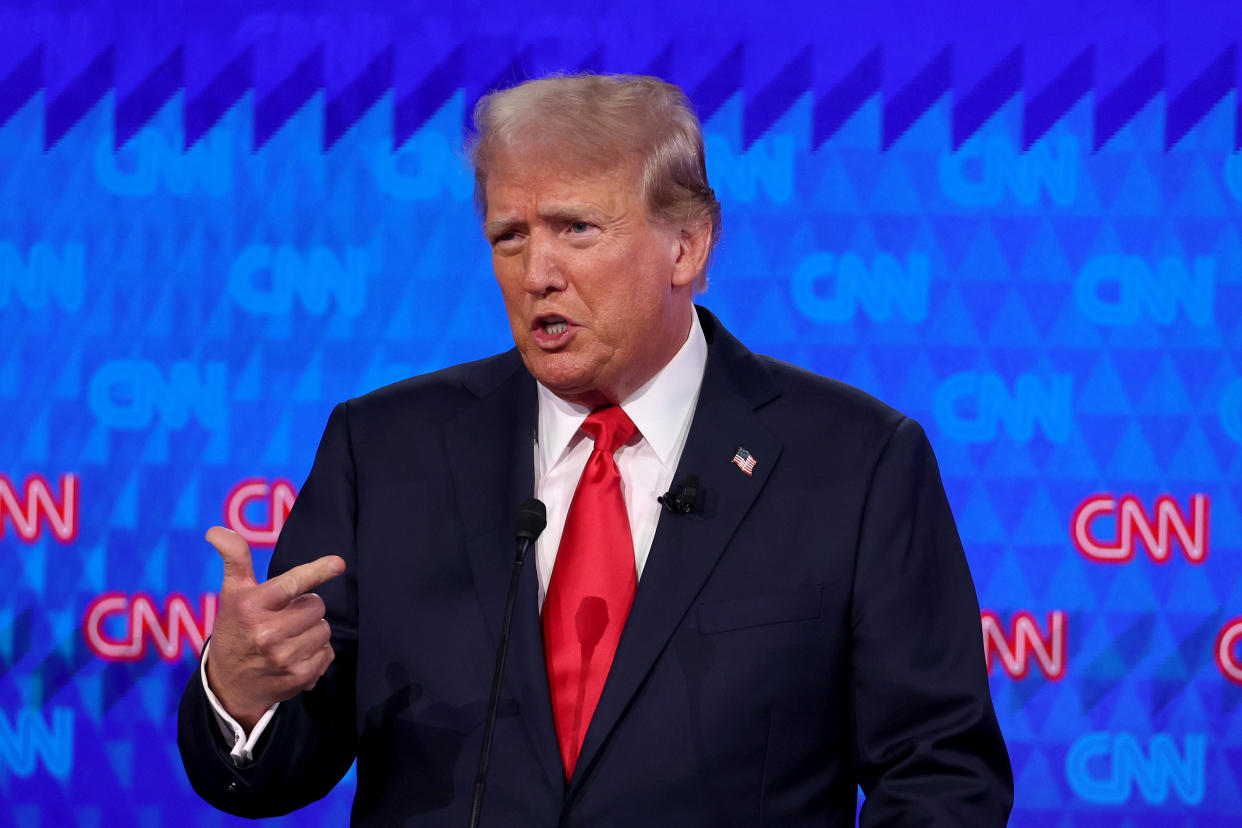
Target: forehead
[(540, 174)]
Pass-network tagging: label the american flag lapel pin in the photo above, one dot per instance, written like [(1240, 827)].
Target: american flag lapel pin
[(744, 460)]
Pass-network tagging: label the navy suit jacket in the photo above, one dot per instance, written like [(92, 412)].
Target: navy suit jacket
[(809, 628)]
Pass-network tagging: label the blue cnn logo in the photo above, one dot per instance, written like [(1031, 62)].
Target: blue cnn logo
[(264, 279), (831, 288), (989, 166), (1105, 768), (150, 159), (428, 166), (44, 275), (767, 165), (128, 393), (28, 737), (1119, 290), (971, 406)]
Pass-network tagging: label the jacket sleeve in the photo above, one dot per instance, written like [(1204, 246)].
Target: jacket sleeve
[(311, 740), (927, 746)]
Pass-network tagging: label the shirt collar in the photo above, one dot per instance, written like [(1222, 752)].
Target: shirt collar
[(661, 408)]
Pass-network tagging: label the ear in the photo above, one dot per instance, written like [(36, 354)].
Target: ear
[(693, 247)]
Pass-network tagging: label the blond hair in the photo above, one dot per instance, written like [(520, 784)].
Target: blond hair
[(606, 120)]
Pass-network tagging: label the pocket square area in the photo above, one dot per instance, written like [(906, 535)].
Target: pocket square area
[(759, 610)]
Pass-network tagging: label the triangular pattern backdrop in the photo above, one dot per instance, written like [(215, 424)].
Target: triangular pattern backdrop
[(1022, 227)]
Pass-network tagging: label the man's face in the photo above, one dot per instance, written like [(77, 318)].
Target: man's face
[(599, 298)]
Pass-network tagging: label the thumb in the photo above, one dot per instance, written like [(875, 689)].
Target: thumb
[(238, 568)]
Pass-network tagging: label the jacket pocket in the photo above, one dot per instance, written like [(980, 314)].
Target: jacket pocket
[(759, 610)]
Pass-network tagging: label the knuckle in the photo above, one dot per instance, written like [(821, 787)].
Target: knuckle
[(286, 656), (289, 585), (265, 640), (306, 676)]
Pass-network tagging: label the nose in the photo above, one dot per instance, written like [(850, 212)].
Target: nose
[(542, 266)]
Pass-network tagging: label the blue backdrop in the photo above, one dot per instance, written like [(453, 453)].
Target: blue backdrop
[(1017, 223)]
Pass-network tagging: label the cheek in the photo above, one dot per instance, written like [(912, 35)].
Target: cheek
[(507, 277), (628, 312)]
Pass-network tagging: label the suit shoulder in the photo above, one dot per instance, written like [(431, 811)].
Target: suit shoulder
[(803, 387), (836, 433), (437, 394), (827, 415)]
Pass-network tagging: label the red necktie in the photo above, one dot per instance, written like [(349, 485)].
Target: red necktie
[(592, 586)]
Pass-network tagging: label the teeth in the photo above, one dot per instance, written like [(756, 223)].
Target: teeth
[(555, 328)]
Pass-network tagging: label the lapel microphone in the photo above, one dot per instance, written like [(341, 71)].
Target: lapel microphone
[(682, 502), (528, 522)]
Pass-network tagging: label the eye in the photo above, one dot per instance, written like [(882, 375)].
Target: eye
[(506, 243), (579, 227)]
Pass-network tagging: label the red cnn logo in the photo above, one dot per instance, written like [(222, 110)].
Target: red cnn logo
[(1157, 535), (168, 631), (1228, 663), (1024, 639), (279, 497), (28, 513)]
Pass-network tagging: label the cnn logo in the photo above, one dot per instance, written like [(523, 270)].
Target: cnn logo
[(1133, 525)]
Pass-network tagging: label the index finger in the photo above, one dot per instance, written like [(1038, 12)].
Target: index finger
[(280, 591)]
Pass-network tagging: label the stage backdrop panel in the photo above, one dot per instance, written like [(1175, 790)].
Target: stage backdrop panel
[(1018, 225)]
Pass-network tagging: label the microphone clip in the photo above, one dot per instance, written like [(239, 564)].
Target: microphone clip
[(681, 500)]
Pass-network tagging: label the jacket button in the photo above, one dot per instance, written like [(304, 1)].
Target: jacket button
[(233, 788)]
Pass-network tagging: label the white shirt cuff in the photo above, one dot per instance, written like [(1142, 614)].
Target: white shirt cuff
[(243, 746)]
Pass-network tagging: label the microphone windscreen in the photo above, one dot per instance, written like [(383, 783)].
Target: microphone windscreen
[(530, 519), (690, 490)]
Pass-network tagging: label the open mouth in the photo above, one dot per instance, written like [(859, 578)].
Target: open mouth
[(553, 325)]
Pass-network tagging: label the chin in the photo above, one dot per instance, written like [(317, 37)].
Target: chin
[(575, 389), (557, 378), (567, 387), (567, 375)]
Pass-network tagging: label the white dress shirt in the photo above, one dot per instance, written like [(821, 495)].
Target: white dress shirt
[(662, 410)]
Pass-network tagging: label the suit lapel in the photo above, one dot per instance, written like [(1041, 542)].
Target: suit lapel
[(687, 547), (491, 444)]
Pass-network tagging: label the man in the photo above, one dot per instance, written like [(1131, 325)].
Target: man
[(809, 625)]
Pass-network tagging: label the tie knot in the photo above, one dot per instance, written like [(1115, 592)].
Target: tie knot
[(610, 428)]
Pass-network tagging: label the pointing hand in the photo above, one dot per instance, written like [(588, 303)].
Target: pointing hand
[(270, 640)]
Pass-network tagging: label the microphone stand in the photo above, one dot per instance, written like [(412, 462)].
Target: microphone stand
[(529, 522)]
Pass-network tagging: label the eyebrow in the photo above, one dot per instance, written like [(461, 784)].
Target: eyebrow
[(558, 212), (568, 212), (498, 227)]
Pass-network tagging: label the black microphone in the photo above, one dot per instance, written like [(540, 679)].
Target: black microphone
[(528, 522), (683, 502)]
